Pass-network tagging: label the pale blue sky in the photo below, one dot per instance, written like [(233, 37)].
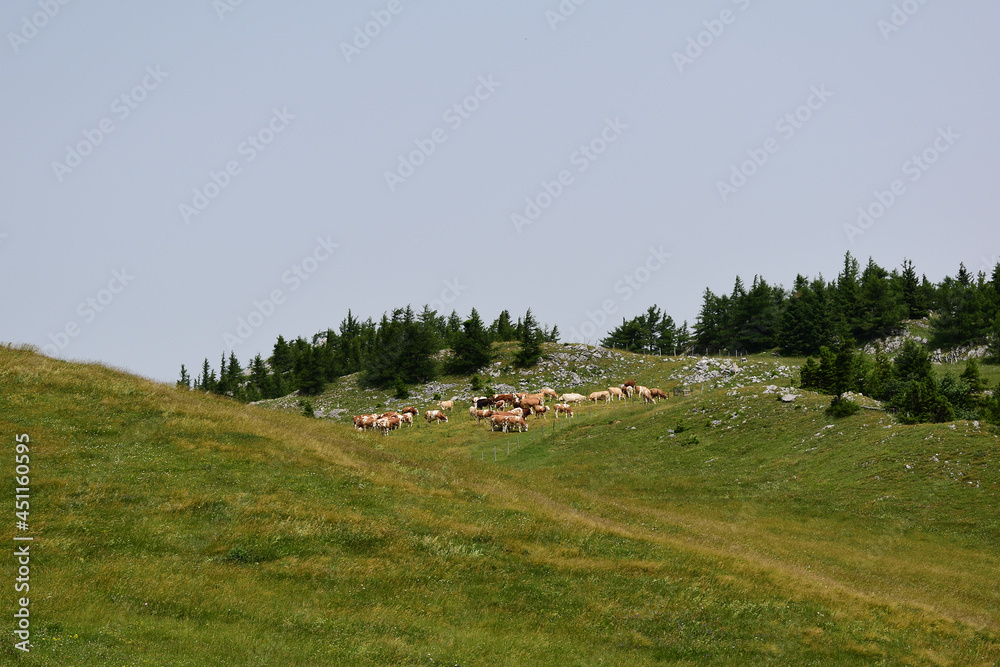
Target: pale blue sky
[(200, 82)]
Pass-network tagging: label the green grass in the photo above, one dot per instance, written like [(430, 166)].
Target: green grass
[(174, 528)]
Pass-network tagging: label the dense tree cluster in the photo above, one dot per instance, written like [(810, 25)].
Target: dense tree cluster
[(906, 384), (860, 304), (653, 330), (398, 350)]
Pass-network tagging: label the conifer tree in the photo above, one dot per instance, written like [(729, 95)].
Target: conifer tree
[(472, 347), (530, 350)]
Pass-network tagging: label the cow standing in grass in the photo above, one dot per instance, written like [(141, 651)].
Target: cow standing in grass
[(435, 416), (564, 409)]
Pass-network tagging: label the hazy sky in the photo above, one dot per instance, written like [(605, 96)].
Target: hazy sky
[(168, 169)]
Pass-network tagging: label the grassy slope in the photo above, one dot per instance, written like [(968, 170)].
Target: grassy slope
[(176, 528)]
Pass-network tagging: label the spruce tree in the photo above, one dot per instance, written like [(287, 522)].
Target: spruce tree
[(185, 380), (472, 347), (530, 350)]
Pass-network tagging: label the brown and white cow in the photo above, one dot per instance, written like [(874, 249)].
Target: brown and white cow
[(435, 416), (406, 418), (628, 390), (505, 421), (364, 422), (483, 414), (529, 402), (549, 393), (388, 423), (540, 410), (616, 393), (503, 399), (599, 396), (410, 410), (564, 409), (647, 396), (446, 405), (657, 393)]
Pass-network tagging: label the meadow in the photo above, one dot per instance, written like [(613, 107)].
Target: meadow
[(724, 527)]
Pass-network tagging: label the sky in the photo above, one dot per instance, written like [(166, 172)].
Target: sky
[(184, 179)]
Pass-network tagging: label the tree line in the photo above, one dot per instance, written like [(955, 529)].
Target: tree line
[(860, 305), (398, 351)]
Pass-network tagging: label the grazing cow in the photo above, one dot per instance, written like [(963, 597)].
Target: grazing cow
[(616, 393), (564, 409), (657, 393), (599, 396), (472, 412), (389, 414), (483, 414), (435, 416), (647, 396), (551, 393), (364, 422), (540, 410), (446, 405), (572, 398), (497, 420), (406, 418), (409, 409), (517, 411), (529, 402), (515, 422), (505, 421), (628, 390), (503, 399), (388, 423)]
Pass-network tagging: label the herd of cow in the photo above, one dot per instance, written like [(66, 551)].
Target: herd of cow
[(506, 412)]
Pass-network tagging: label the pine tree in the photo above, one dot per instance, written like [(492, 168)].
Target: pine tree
[(502, 330), (309, 375), (258, 386), (882, 309), (207, 382), (185, 380), (472, 347), (530, 350), (912, 295)]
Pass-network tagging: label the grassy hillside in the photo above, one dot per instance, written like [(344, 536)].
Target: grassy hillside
[(718, 528)]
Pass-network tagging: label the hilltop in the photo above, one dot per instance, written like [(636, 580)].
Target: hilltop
[(724, 527)]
